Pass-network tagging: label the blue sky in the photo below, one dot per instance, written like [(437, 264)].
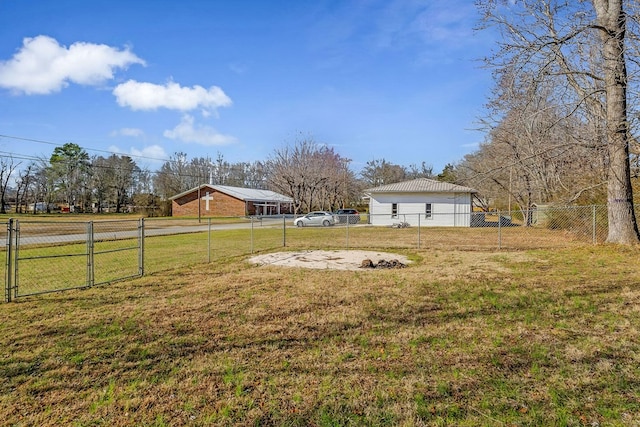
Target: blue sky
[(375, 79)]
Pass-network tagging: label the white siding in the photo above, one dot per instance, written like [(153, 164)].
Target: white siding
[(448, 209)]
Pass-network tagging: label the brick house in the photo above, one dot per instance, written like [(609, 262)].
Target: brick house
[(223, 200)]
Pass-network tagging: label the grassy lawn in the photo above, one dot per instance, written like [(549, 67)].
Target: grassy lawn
[(465, 338), (45, 264)]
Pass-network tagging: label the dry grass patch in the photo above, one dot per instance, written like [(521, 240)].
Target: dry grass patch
[(536, 338), (470, 265)]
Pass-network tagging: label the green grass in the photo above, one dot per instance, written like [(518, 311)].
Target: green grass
[(45, 267), (469, 338)]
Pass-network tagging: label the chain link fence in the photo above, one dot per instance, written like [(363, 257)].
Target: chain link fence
[(48, 256)]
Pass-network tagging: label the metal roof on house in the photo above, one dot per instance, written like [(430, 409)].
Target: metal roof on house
[(245, 194), (421, 185), (252, 194)]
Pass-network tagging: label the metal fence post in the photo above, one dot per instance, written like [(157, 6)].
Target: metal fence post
[(90, 271), (209, 239), (251, 238), (348, 219), (418, 231), (284, 231), (499, 230), (8, 276), (16, 258), (141, 247), (594, 239)]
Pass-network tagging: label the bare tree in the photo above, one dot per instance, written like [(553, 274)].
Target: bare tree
[(293, 173), (251, 175), (611, 26), (379, 172), (102, 181), (422, 171), (44, 190), (143, 197), (581, 44), (173, 176), (7, 168), (24, 187), (125, 171), (313, 175)]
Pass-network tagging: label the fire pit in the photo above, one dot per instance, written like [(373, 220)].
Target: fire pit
[(394, 263)]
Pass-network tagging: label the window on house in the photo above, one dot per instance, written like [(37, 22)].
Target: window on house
[(394, 210), (428, 211)]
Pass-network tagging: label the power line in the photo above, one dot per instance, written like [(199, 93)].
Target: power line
[(198, 175), (230, 167), (17, 156), (40, 141)]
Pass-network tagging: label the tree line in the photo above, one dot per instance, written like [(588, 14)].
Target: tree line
[(312, 174)]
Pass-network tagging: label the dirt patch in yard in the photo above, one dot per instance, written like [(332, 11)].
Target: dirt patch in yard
[(336, 260)]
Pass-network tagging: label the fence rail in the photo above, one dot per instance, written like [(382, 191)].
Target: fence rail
[(49, 256)]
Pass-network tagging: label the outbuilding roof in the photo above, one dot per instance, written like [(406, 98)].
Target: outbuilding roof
[(421, 185), (245, 194)]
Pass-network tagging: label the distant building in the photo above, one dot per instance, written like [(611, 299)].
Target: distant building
[(223, 200), (421, 201), (42, 207)]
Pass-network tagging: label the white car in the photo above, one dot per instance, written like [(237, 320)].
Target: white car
[(315, 218)]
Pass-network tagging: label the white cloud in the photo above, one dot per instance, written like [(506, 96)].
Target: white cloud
[(154, 152), (238, 68), (151, 152), (43, 66), (149, 96), (450, 25), (186, 131), (132, 132), (471, 145)]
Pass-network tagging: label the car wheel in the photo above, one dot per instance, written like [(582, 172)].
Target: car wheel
[(300, 224), (326, 223)]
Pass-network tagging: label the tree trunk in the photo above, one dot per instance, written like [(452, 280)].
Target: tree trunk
[(622, 223)]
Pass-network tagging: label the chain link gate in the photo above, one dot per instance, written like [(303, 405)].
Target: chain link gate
[(44, 257)]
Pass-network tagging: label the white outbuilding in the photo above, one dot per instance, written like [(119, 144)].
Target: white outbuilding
[(421, 202)]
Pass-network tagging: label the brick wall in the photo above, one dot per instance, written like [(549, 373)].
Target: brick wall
[(220, 204)]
